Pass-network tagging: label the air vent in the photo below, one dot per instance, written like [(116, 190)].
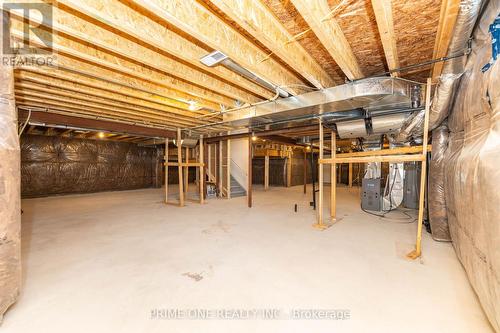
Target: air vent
[(213, 58)]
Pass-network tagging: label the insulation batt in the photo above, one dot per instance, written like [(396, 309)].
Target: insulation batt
[(57, 165), (10, 202), (472, 170)]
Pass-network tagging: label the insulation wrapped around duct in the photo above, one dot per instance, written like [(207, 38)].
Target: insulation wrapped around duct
[(472, 172), (10, 200), (437, 206)]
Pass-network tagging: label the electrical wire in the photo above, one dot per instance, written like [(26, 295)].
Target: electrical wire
[(26, 123)]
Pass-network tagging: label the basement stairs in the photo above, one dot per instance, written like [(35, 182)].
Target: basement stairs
[(236, 189)]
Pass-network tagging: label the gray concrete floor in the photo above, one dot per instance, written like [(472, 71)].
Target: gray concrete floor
[(102, 262)]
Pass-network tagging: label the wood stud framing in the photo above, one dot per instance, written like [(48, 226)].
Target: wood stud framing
[(389, 155)]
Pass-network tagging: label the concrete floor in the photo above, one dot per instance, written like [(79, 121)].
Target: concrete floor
[(102, 262)]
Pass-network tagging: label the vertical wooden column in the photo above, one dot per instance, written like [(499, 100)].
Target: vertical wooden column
[(166, 170), (418, 246), (305, 170), (266, 171), (216, 166), (333, 178), (221, 163), (320, 176), (340, 173), (289, 170), (179, 161), (228, 168), (350, 174), (186, 172), (250, 165), (202, 170), (209, 161)]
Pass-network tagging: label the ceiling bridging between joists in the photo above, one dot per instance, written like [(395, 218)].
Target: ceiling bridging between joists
[(138, 61)]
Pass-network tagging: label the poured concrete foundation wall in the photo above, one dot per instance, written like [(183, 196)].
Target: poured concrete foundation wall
[(57, 165), (10, 206)]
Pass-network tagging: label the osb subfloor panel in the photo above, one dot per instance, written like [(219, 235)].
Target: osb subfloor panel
[(103, 262)]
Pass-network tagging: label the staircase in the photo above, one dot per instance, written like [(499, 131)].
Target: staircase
[(236, 189)]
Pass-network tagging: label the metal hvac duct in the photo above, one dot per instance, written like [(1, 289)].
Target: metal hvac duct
[(352, 129), (372, 94), (376, 125), (216, 57)]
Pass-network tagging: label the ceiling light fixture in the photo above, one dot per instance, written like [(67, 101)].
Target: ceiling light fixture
[(192, 106)]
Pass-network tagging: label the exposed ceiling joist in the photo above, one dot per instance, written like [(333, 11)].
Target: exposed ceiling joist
[(254, 17), (110, 81), (33, 90), (130, 24), (90, 34), (447, 19), (198, 22), (114, 58), (385, 24), (328, 31), (72, 110), (68, 60), (85, 108), (103, 125), (51, 82)]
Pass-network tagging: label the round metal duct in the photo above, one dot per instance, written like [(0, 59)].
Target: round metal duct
[(352, 129), (388, 124)]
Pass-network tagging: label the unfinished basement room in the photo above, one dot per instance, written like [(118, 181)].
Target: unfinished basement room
[(250, 166)]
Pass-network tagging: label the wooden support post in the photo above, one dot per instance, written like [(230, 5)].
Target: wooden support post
[(216, 166), (340, 173), (166, 170), (202, 170), (320, 224), (333, 178), (209, 161), (350, 174), (197, 157), (250, 164), (266, 172), (186, 172), (179, 160), (418, 246), (221, 182), (305, 171), (289, 170), (228, 168)]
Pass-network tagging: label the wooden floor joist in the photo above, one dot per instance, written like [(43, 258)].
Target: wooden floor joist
[(130, 24), (99, 58), (254, 17), (385, 23), (330, 34), (198, 22), (448, 17)]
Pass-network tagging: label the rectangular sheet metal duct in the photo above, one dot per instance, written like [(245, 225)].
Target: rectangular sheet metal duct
[(380, 93)]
